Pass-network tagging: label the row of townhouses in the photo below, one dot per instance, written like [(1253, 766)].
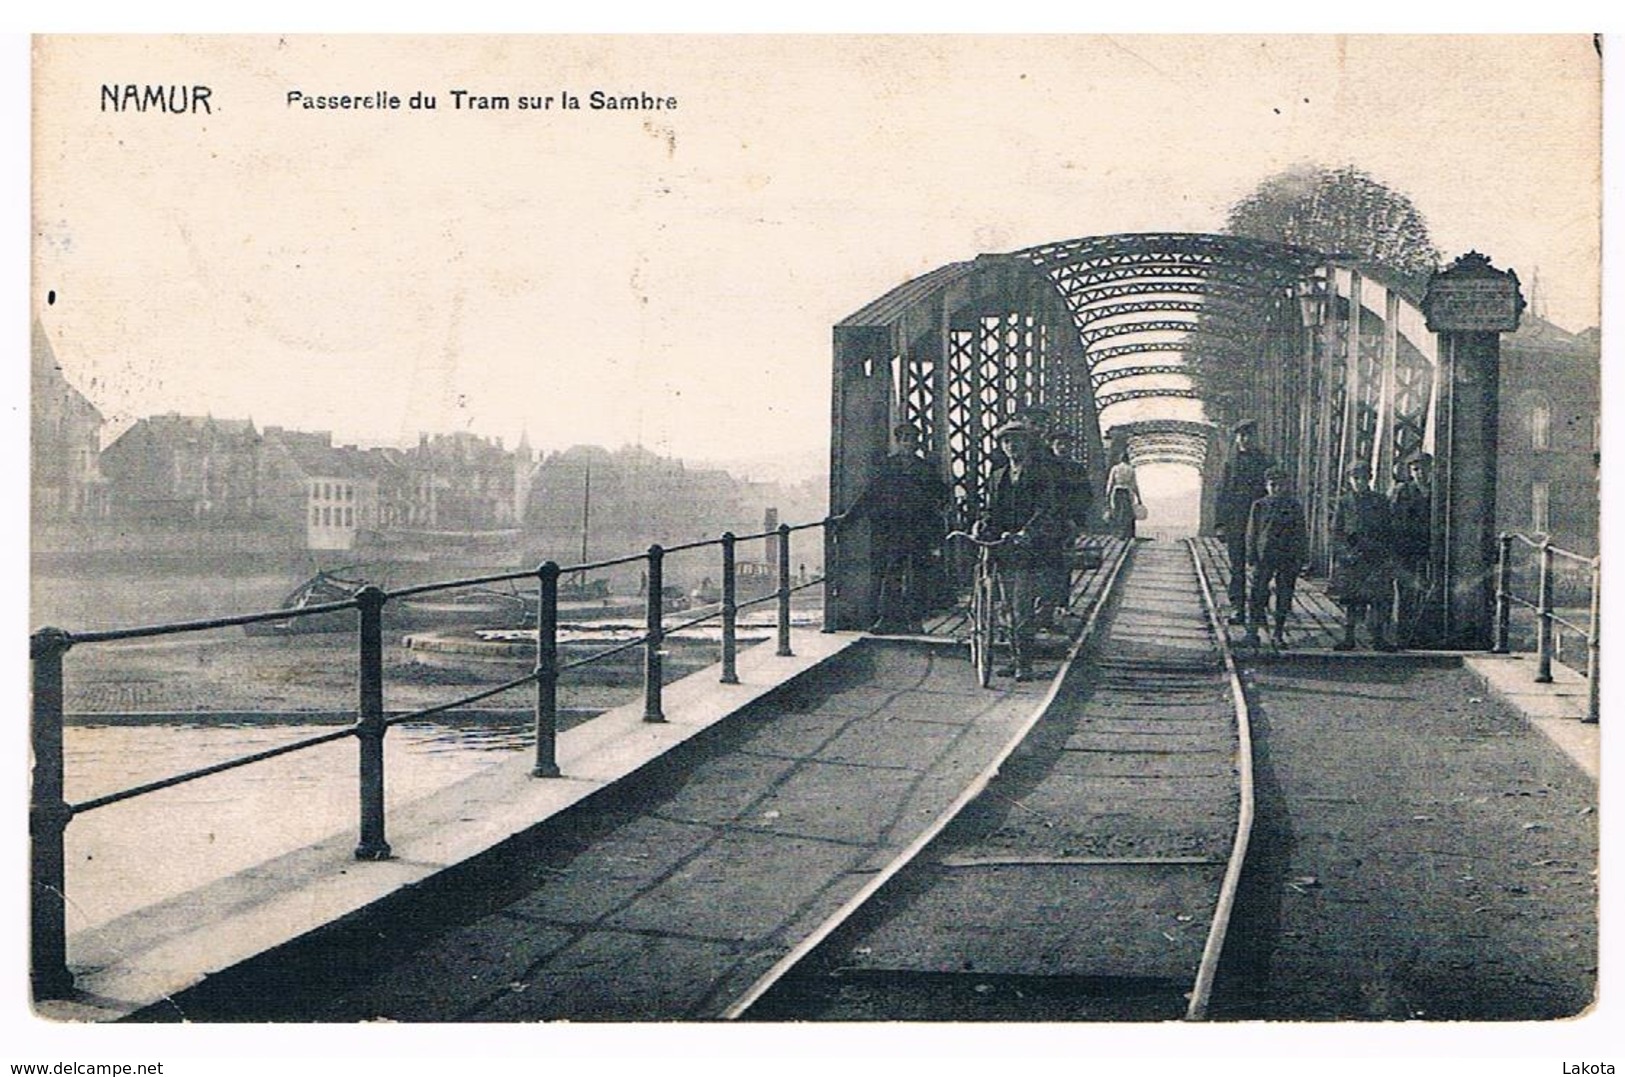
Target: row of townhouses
[(297, 489), (201, 471)]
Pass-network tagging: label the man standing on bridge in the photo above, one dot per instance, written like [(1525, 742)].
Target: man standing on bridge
[(1277, 547), (1363, 576), (1412, 506), (1241, 485), (904, 503)]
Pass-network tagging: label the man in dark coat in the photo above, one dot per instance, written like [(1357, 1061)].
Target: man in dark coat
[(1024, 504), (1364, 574), (1074, 500), (1277, 547), (1241, 485), (1412, 506), (1076, 492), (904, 504)]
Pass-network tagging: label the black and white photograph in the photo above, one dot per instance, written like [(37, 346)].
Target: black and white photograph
[(910, 535)]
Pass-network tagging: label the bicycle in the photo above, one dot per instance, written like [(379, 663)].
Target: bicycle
[(991, 623)]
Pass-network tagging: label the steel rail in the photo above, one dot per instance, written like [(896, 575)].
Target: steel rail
[(453, 585), (810, 942), (772, 596), (215, 768), (176, 627), (683, 625), (441, 708), (1566, 623), (1208, 969)]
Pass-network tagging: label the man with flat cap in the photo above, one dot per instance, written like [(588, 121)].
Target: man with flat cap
[(1241, 485), (1277, 547), (1023, 503), (904, 503), (1411, 504)]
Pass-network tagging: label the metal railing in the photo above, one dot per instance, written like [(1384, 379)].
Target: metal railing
[(50, 813), (1546, 607)]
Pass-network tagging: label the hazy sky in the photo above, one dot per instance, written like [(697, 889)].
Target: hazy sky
[(671, 277)]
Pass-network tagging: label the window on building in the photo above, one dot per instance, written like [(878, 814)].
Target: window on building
[(327, 516), (315, 516), (1540, 424), (349, 516), (1540, 506)]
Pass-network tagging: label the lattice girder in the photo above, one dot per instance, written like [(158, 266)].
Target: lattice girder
[(1229, 293), (1106, 400), (1103, 377)]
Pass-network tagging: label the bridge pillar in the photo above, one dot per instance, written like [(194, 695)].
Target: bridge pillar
[(860, 432), (1468, 306)]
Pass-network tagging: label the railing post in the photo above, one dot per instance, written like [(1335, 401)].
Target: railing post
[(730, 613), (1593, 642), (1503, 596), (784, 650), (547, 671), (1543, 646), (370, 727), (48, 816), (655, 638)]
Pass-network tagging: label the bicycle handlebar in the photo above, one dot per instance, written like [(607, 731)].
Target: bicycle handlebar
[(984, 543)]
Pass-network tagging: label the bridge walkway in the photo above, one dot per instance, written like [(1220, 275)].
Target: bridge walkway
[(667, 896), (1556, 710), (1317, 620)]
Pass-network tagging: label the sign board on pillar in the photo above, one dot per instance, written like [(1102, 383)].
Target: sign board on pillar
[(1473, 296)]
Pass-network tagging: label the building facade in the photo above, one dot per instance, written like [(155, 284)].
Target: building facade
[(64, 443), (1550, 430), (183, 468)]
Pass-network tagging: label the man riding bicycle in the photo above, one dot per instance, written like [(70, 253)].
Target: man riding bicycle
[(1023, 503)]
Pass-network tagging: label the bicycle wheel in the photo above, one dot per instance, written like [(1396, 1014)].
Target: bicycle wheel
[(984, 609)]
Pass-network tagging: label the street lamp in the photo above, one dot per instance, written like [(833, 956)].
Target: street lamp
[(1311, 295)]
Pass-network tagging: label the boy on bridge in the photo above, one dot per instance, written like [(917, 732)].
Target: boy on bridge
[(1277, 546)]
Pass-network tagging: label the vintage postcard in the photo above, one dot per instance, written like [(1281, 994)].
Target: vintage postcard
[(912, 531)]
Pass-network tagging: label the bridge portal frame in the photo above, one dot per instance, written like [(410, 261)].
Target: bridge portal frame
[(954, 353), (1338, 365)]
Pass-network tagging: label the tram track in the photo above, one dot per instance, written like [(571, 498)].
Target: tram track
[(1085, 873)]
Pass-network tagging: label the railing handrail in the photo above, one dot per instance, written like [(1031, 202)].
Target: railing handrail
[(50, 813), (1547, 617), (399, 717), (1557, 551), (165, 628), (170, 628)]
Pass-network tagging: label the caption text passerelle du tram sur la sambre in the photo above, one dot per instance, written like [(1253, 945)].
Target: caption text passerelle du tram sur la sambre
[(196, 99)]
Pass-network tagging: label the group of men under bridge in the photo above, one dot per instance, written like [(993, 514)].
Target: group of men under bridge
[(1040, 501)]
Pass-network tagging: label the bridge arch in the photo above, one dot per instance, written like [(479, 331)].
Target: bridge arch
[(1118, 333)]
